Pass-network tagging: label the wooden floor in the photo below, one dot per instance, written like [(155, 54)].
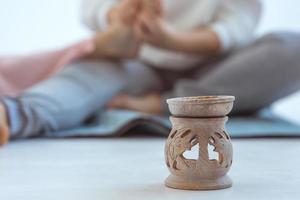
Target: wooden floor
[(133, 168)]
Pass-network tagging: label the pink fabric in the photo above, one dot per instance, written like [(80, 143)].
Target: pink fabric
[(18, 73)]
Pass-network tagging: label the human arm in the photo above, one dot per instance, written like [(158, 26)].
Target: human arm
[(236, 22), (233, 26), (157, 32)]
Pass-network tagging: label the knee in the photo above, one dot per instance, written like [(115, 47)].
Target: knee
[(281, 44), (284, 46)]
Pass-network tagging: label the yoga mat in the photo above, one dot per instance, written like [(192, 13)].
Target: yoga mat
[(118, 122)]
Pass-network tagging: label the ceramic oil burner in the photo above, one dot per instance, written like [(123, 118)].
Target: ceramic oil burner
[(199, 121)]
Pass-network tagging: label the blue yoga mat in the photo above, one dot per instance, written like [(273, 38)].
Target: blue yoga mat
[(118, 122)]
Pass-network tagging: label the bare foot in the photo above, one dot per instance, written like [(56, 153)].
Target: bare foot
[(150, 103), (4, 131), (117, 42)]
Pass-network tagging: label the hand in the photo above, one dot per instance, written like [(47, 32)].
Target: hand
[(153, 6), (124, 12), (154, 30), (151, 28)]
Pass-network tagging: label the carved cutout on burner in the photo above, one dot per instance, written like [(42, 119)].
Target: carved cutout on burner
[(175, 165), (221, 144), (185, 133), (173, 133), (193, 154), (167, 163), (212, 154), (226, 135), (184, 150), (181, 140), (219, 135), (211, 140)]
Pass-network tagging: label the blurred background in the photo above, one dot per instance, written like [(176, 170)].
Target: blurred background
[(34, 25)]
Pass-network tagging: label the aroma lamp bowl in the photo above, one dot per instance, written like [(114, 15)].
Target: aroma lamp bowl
[(201, 106)]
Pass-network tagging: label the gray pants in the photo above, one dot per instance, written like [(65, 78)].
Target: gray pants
[(257, 75)]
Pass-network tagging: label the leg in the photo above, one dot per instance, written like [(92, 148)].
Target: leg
[(257, 75), (67, 99)]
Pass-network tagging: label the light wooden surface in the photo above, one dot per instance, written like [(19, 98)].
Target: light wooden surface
[(134, 168)]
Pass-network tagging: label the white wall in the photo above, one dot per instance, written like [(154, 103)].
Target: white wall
[(280, 14), (283, 15), (38, 24)]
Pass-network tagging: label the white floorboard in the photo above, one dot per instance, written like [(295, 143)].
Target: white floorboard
[(134, 169)]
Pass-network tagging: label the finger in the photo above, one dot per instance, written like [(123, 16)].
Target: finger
[(158, 7), (150, 5), (154, 6), (146, 24), (145, 28), (130, 9), (131, 14), (139, 32), (136, 4)]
